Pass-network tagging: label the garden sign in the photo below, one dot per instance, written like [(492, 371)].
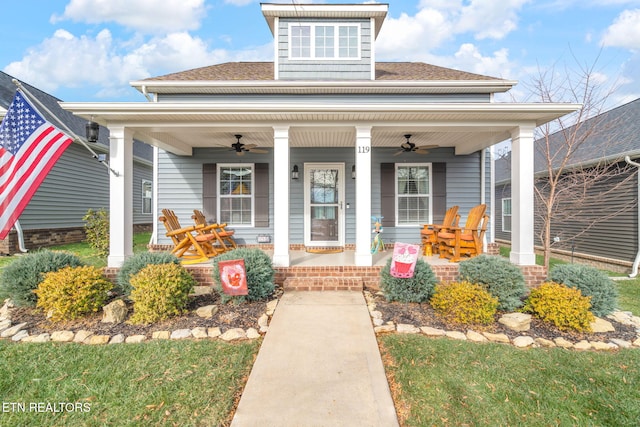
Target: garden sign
[(233, 277)]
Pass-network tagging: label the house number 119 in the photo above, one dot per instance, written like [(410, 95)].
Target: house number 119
[(363, 149)]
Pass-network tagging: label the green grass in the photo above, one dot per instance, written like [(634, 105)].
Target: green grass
[(448, 382), (184, 383), (629, 295)]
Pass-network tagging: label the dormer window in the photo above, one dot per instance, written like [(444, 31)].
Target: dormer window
[(324, 41)]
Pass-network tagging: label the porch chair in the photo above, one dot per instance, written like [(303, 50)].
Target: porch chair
[(223, 236), (429, 232), (456, 241), (189, 244)]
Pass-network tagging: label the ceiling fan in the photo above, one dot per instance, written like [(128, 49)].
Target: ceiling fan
[(241, 148), (408, 147)]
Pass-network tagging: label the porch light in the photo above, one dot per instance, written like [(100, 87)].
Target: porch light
[(294, 172), (92, 130), (353, 172)]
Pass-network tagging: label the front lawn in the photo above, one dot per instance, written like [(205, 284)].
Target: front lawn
[(156, 383), (456, 383)]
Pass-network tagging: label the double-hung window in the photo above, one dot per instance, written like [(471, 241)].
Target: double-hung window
[(147, 196), (324, 41), (236, 194), (413, 194), (506, 215)]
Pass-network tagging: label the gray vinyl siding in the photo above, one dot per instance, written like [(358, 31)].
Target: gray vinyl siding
[(324, 69), (76, 183), (180, 186)]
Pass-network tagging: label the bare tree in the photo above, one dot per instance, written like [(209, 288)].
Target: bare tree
[(578, 159)]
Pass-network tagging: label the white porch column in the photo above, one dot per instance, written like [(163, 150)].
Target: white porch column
[(281, 196), (522, 196), (363, 255), (121, 195)]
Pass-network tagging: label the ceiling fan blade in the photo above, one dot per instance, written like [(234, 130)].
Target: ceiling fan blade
[(250, 146), (398, 153), (240, 153), (259, 151), (426, 147), (419, 151), (406, 146)]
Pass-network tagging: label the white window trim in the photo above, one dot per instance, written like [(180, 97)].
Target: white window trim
[(430, 195), (336, 47), (142, 198), (253, 195), (503, 215)]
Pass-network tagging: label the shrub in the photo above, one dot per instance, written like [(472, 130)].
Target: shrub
[(418, 288), (20, 278), (159, 292), (97, 230), (591, 282), (260, 274), (497, 275), (464, 303), (565, 307), (72, 292), (137, 262)]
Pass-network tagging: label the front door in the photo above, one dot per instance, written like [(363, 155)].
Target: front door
[(324, 204)]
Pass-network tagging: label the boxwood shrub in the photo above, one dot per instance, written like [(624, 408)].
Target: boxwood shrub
[(418, 288)]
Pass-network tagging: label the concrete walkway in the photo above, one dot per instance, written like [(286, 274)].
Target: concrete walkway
[(319, 365)]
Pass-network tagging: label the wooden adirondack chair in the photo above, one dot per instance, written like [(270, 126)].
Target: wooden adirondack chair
[(189, 244), (466, 241), (223, 236), (429, 232)]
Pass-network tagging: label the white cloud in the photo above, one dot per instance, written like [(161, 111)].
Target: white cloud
[(489, 19), (239, 2), (469, 58), (149, 16), (625, 31)]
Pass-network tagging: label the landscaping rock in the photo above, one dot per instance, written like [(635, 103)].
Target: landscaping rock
[(40, 338), (161, 335), (582, 345), (98, 339), (456, 335), (214, 332), (252, 333), (199, 332), (5, 311), (523, 341), (562, 342), (621, 343), (404, 328), (11, 331), (389, 327), (476, 336), (135, 339), (501, 338), (233, 334), (81, 336), (600, 325), (115, 312), (117, 339), (21, 334), (180, 334), (62, 336), (271, 307), (202, 290), (518, 322), (5, 324), (433, 332), (207, 312), (543, 342), (599, 345)]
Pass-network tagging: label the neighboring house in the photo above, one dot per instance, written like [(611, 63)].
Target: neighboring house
[(76, 183), (607, 229), (324, 126)]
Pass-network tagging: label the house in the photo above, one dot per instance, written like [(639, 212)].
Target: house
[(76, 183), (604, 230), (332, 137)]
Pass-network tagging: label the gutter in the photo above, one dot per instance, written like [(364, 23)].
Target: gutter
[(636, 262)]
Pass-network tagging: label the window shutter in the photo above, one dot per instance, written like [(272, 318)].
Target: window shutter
[(261, 196), (209, 192), (439, 187), (388, 194)]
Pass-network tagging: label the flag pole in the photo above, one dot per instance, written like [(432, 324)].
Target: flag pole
[(76, 137)]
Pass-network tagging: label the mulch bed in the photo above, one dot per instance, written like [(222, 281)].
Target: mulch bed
[(423, 315)]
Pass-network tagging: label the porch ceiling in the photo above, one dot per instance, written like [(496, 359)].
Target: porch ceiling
[(180, 127)]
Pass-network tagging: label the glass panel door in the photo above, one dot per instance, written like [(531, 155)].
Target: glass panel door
[(324, 195)]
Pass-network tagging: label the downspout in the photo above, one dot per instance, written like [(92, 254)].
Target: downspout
[(483, 189), (636, 262), (18, 228)]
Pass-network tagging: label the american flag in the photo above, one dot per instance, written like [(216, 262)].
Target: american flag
[(29, 147)]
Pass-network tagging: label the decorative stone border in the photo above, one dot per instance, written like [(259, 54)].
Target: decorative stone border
[(522, 341), (20, 333)]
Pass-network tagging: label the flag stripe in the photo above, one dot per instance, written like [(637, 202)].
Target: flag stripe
[(29, 148)]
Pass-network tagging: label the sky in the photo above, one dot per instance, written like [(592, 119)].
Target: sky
[(89, 50)]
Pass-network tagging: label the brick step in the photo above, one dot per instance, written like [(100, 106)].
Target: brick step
[(318, 283)]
